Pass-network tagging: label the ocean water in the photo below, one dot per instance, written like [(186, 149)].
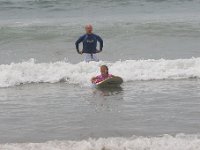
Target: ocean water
[(46, 98)]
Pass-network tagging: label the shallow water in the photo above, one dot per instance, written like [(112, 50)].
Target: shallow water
[(43, 112), (45, 91)]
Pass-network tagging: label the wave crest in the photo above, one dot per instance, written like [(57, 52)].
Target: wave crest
[(130, 70)]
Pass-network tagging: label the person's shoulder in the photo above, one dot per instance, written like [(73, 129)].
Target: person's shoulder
[(82, 36), (110, 75), (93, 34), (80, 39), (98, 76), (97, 36)]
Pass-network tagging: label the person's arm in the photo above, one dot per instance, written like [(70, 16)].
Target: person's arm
[(99, 39), (78, 42), (93, 79), (112, 76)]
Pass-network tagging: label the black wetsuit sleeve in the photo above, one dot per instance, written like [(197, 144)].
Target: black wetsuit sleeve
[(78, 42), (99, 39)]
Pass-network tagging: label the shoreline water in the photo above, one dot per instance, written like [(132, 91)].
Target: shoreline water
[(47, 101), (181, 141)]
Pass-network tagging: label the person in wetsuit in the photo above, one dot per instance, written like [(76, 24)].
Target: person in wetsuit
[(89, 41)]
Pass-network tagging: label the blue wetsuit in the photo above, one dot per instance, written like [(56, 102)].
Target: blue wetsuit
[(89, 43)]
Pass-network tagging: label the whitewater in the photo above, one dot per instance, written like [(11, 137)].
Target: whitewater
[(165, 142), (130, 70)]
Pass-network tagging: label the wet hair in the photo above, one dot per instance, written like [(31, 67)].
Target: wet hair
[(105, 67)]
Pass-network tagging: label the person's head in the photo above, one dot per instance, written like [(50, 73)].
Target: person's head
[(88, 29), (104, 70)]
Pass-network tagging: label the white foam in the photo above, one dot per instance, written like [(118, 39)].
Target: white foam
[(166, 142), (130, 70)]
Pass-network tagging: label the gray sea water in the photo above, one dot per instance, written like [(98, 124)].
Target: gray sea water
[(47, 102)]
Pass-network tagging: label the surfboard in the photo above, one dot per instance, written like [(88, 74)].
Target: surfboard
[(114, 81)]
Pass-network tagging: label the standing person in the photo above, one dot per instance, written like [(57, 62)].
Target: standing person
[(89, 41)]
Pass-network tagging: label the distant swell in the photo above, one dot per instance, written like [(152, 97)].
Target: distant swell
[(166, 142), (130, 70)]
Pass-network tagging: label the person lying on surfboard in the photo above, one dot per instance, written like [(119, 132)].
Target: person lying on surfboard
[(89, 41), (104, 75)]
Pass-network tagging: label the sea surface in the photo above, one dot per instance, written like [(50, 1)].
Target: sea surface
[(47, 101)]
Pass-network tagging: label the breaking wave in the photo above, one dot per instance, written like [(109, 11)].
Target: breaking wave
[(130, 70), (165, 142)]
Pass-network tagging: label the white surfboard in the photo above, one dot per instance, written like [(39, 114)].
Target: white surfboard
[(114, 81)]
